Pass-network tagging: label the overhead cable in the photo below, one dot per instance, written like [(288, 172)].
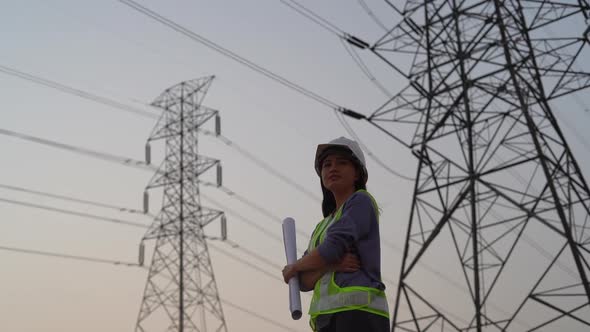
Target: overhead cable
[(73, 213), (76, 92), (68, 256), (72, 199), (218, 48), (127, 264)]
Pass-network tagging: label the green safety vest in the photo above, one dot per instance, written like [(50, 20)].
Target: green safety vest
[(330, 298)]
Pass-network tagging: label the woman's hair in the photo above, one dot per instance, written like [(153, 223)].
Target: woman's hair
[(329, 202)]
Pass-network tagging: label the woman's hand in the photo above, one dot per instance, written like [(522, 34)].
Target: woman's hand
[(289, 272), (349, 263)]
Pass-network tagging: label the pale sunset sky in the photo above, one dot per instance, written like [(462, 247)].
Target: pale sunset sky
[(108, 49)]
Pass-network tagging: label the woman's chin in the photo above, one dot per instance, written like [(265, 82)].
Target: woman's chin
[(337, 186)]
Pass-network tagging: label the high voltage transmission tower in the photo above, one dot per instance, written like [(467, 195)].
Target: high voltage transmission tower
[(499, 200), (181, 293)]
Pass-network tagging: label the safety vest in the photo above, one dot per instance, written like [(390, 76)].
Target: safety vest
[(330, 298)]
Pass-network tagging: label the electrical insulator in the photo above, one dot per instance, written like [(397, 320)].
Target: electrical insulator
[(141, 253), (223, 228), (148, 154), (217, 125), (357, 42), (146, 202), (219, 175)]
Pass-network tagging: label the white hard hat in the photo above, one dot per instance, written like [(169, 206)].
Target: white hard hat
[(342, 142)]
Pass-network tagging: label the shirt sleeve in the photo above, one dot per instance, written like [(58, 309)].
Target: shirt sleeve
[(356, 222)]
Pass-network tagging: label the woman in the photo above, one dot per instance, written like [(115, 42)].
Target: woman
[(343, 262)]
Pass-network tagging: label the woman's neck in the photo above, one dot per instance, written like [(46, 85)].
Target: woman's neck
[(342, 196)]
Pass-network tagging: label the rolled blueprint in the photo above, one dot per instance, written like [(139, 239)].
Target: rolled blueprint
[(291, 252)]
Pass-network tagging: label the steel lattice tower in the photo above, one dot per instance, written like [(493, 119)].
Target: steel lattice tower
[(181, 293), (499, 199)]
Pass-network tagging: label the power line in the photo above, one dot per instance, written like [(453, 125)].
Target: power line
[(363, 67), (216, 47), (192, 35), (76, 92), (239, 247), (253, 205), (369, 153), (367, 72), (77, 149), (72, 199), (102, 156), (325, 24), (292, 4), (202, 40), (124, 107), (372, 15), (253, 254), (261, 229), (73, 213), (123, 209), (262, 164), (357, 59), (247, 221), (227, 191), (141, 165), (98, 260), (127, 264), (277, 238), (273, 217), (251, 265), (271, 235), (68, 256), (317, 19), (345, 38), (106, 261)]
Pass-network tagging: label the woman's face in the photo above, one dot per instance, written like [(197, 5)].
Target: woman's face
[(338, 173)]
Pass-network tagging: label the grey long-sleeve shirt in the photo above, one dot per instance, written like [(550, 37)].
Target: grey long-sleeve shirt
[(357, 230)]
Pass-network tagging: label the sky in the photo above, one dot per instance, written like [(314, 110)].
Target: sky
[(110, 50)]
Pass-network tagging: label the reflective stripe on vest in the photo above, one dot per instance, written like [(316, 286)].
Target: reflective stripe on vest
[(356, 296), (328, 297)]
